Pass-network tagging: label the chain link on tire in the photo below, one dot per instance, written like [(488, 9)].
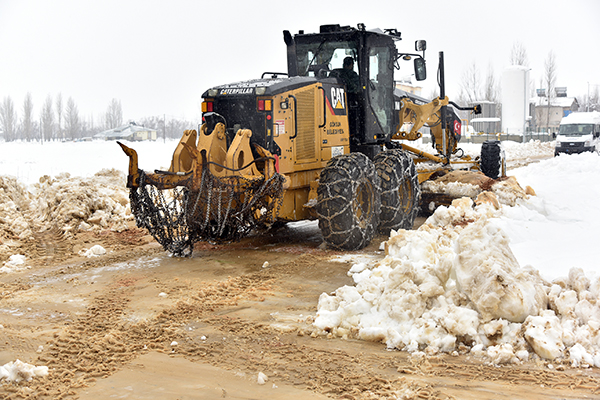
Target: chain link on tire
[(349, 201), (400, 190), (493, 162)]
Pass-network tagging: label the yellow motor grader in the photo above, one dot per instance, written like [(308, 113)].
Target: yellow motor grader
[(302, 145)]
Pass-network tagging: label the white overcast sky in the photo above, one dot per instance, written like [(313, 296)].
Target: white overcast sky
[(158, 57)]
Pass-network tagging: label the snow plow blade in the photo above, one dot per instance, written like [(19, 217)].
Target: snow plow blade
[(207, 194)]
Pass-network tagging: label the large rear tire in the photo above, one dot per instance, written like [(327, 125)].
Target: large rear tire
[(400, 190), (493, 162), (349, 201)]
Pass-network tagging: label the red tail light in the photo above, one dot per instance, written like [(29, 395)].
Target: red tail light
[(207, 106)]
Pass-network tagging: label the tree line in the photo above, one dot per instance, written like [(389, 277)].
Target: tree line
[(59, 120)]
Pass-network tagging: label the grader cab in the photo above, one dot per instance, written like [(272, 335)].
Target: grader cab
[(302, 145)]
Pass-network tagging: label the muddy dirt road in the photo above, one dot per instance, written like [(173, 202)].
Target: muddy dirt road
[(136, 323)]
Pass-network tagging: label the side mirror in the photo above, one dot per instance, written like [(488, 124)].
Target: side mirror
[(420, 69), (420, 45)]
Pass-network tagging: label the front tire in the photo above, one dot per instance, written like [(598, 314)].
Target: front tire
[(400, 190), (493, 162), (348, 201)]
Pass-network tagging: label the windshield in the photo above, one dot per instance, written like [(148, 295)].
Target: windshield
[(576, 129), (323, 55)]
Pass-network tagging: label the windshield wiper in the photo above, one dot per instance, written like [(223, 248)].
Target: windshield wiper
[(315, 56)]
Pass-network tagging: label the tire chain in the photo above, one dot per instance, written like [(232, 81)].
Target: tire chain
[(338, 184), (396, 170)]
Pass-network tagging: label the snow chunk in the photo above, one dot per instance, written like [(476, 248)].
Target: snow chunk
[(15, 263), (94, 251), (488, 273), (544, 334), (17, 371), (262, 378)]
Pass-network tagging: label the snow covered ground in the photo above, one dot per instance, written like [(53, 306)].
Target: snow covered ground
[(30, 161)]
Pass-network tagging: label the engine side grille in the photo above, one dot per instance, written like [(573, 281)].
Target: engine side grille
[(305, 141)]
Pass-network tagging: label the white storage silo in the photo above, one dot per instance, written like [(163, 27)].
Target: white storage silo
[(515, 99)]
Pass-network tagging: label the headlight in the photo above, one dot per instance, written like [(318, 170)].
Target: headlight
[(260, 90), (212, 92)]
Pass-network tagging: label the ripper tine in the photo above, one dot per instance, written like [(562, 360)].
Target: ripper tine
[(134, 174)]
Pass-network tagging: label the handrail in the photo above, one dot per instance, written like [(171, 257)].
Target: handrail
[(295, 116), (324, 108)]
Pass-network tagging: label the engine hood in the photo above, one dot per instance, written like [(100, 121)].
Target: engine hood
[(259, 87)]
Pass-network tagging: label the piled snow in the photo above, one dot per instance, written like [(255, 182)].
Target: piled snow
[(559, 228), (534, 149), (101, 201), (56, 186), (471, 184), (64, 203), (455, 285), (17, 371), (14, 199)]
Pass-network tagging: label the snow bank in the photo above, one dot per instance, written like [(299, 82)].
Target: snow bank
[(64, 203), (473, 183), (17, 371), (455, 285)]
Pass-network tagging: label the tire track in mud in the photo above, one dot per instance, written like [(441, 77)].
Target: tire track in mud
[(101, 341), (93, 346)]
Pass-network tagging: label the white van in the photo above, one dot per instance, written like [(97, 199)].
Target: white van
[(578, 132)]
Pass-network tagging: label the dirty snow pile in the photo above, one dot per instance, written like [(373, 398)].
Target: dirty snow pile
[(472, 183), (63, 203), (17, 371), (454, 285)]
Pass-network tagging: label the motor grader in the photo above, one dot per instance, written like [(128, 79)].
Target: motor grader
[(298, 145)]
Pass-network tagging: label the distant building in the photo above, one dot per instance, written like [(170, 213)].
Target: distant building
[(547, 118), (132, 132)]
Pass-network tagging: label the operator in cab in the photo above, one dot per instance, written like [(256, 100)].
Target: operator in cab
[(348, 76)]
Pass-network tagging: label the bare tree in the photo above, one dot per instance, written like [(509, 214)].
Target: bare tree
[(594, 100), (550, 80), (114, 115), (47, 120), (518, 55), (72, 119), (27, 122), (470, 86), (490, 88), (591, 100), (59, 111), (8, 119)]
